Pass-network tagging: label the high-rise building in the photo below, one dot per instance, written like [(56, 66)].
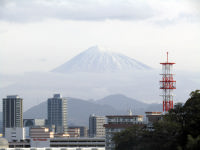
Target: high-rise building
[(57, 113), (96, 128), (12, 112)]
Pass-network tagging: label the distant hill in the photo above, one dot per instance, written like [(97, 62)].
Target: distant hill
[(79, 110), (122, 102)]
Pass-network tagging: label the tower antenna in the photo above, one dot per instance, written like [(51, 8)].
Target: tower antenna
[(167, 85)]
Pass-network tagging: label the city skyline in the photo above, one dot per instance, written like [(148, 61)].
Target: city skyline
[(34, 42)]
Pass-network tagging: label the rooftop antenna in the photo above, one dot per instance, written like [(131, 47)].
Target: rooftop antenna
[(130, 112)]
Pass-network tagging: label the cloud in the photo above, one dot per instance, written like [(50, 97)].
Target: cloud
[(35, 10), (91, 10)]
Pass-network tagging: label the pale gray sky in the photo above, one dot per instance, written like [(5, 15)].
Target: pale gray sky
[(39, 35)]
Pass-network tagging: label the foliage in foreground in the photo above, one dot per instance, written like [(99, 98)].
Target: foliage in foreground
[(178, 130)]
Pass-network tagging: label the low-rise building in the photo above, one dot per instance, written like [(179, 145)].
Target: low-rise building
[(68, 142), (153, 117), (78, 142), (40, 137), (21, 144), (34, 122), (15, 134), (29, 123), (83, 130), (3, 143), (41, 132), (73, 132), (117, 124), (58, 148)]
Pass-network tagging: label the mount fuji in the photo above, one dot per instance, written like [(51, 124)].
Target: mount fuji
[(98, 59)]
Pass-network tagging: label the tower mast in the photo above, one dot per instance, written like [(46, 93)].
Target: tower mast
[(167, 85)]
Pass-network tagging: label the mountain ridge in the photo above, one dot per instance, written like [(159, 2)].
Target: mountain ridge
[(86, 108)]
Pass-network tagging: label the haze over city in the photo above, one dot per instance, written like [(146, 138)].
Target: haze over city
[(99, 74), (34, 40)]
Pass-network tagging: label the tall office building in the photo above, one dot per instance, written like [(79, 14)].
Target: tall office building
[(96, 128), (57, 113), (12, 112)]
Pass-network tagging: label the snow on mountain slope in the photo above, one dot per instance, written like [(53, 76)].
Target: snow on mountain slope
[(96, 59)]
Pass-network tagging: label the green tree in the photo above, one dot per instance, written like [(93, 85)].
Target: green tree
[(192, 114), (128, 139), (193, 143)]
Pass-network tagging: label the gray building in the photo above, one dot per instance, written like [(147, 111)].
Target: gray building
[(12, 112), (57, 113), (96, 126)]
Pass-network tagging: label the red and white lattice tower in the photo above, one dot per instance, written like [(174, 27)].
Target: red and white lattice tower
[(167, 84)]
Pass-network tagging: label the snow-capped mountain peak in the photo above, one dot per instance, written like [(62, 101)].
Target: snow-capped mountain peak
[(99, 59), (100, 48)]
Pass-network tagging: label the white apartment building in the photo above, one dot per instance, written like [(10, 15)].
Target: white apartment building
[(15, 134)]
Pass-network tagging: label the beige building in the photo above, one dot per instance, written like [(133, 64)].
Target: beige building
[(73, 132), (96, 126), (3, 143), (41, 132), (40, 137)]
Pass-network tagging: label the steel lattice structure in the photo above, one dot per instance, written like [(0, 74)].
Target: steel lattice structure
[(167, 84)]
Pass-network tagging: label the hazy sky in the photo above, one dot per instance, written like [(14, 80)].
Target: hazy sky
[(39, 35)]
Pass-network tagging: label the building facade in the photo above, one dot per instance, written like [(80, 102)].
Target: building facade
[(58, 148), (78, 142), (153, 117), (15, 134), (57, 113), (117, 124), (34, 122), (83, 130), (40, 132), (73, 132), (96, 126), (12, 112)]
